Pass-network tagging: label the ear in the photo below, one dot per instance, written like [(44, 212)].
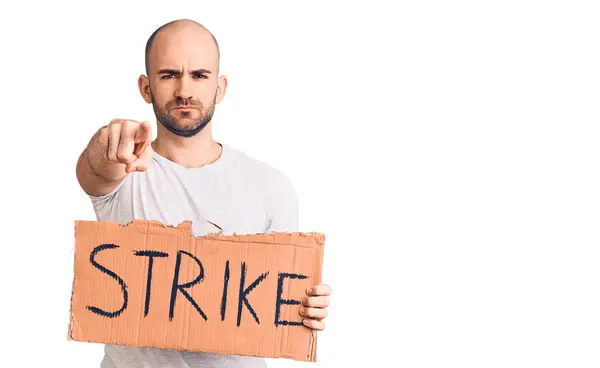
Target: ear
[(221, 88), (144, 86)]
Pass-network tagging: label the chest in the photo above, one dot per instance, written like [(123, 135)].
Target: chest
[(234, 204)]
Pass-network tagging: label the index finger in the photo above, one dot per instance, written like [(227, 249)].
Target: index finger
[(144, 132), (318, 290)]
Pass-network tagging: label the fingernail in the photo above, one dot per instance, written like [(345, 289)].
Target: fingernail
[(305, 321), (301, 310), (310, 290)]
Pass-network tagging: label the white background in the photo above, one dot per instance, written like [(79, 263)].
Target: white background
[(449, 150)]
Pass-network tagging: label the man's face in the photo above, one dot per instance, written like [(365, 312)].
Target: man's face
[(183, 80)]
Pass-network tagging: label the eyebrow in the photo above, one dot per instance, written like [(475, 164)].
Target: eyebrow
[(173, 71)]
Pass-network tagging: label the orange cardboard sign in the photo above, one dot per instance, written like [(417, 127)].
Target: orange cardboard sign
[(150, 285)]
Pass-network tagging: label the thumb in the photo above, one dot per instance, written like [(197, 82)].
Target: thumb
[(142, 162), (136, 166)]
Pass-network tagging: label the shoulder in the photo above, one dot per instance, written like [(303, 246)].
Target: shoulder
[(257, 169)]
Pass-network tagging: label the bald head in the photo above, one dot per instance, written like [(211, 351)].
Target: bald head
[(174, 30)]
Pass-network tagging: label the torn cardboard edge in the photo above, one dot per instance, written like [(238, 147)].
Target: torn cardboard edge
[(297, 239), (147, 225)]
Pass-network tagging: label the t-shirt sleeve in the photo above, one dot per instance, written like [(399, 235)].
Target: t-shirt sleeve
[(103, 205), (281, 204)]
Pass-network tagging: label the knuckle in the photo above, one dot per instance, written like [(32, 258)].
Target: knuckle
[(103, 134), (131, 124), (122, 156), (114, 128)]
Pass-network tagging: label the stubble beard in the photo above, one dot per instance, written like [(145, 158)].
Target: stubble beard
[(175, 124)]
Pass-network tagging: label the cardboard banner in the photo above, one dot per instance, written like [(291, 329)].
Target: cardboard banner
[(150, 285)]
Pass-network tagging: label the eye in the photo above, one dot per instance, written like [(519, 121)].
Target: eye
[(167, 76), (201, 76)]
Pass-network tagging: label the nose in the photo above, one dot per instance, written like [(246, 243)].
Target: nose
[(183, 90)]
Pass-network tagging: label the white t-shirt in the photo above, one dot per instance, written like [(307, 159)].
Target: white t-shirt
[(239, 193)]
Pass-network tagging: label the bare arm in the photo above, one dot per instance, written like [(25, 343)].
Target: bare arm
[(114, 151)]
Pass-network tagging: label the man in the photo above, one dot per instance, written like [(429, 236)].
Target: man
[(186, 175)]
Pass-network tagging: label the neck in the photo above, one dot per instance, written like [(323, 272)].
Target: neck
[(192, 152)]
